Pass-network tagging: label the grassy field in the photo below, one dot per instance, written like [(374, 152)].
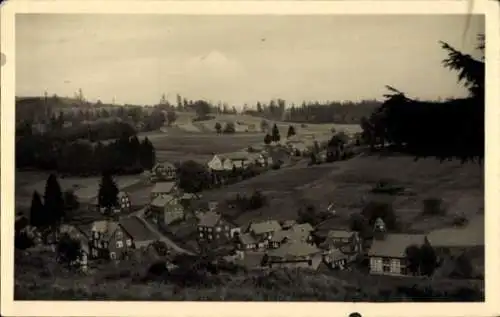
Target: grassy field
[(348, 185), (39, 277)]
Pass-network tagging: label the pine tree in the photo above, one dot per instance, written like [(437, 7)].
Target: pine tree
[(268, 139), (108, 193), (291, 131), (147, 154), (276, 134), (36, 211), (428, 258), (54, 202)]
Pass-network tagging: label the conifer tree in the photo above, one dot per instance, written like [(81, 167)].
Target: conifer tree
[(36, 211), (53, 201), (108, 193)]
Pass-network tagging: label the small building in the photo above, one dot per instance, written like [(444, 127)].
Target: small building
[(336, 259), (297, 233), (108, 240), (166, 209), (164, 171), (388, 253), (135, 228), (246, 242), (213, 228), (295, 254), (163, 189), (228, 161), (123, 204), (338, 238), (264, 230)]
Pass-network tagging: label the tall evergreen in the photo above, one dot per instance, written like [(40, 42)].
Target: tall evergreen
[(291, 131), (54, 202), (147, 154), (276, 133), (36, 211), (107, 196)]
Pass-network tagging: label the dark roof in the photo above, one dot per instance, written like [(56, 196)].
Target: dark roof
[(394, 245), (137, 229)]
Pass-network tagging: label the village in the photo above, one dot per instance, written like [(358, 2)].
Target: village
[(174, 222)]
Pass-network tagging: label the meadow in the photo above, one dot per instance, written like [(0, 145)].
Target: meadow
[(348, 184)]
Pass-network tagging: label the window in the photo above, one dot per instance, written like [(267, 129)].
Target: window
[(112, 255), (94, 252), (129, 243), (119, 244), (201, 235), (217, 236), (217, 229), (210, 237), (119, 234), (209, 229), (386, 261), (386, 269)]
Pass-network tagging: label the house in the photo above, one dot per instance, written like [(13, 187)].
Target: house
[(336, 259), (264, 230), (108, 240), (388, 253), (164, 171), (287, 224), (298, 232), (228, 161), (140, 234), (163, 189), (123, 204), (213, 228), (166, 209), (295, 254), (338, 238), (246, 242)]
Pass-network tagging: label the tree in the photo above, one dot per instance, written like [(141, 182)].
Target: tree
[(383, 210), (428, 258), (71, 202), (147, 154), (218, 127), (229, 128), (171, 117), (193, 177), (412, 254), (268, 139), (275, 134), (291, 131), (264, 125), (68, 249), (202, 108), (53, 202), (259, 107), (37, 217), (107, 196)]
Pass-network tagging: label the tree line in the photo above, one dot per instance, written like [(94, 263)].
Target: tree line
[(126, 155), (448, 129)]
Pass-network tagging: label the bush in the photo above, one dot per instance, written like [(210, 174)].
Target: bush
[(229, 128), (460, 221), (382, 210), (433, 206)]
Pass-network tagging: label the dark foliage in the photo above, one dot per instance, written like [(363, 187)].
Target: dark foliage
[(53, 202), (37, 212), (108, 192), (453, 128), (193, 177), (382, 210)]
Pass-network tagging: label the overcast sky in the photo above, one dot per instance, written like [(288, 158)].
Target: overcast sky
[(238, 59)]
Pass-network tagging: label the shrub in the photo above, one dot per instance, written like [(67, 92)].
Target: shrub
[(383, 210), (460, 221), (229, 128), (433, 206)]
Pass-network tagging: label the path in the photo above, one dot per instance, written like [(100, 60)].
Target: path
[(140, 215)]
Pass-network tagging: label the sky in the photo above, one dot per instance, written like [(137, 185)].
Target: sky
[(238, 59)]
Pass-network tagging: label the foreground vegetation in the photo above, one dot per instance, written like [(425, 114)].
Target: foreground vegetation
[(40, 277)]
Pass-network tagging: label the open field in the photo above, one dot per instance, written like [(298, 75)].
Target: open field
[(347, 184)]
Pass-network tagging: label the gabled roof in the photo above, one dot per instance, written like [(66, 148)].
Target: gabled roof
[(137, 229), (303, 227), (235, 156), (163, 187), (340, 234), (264, 227), (394, 245), (105, 227), (247, 238), (209, 219), (161, 201), (294, 249)]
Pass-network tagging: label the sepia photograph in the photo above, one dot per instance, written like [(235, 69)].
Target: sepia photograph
[(247, 157)]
